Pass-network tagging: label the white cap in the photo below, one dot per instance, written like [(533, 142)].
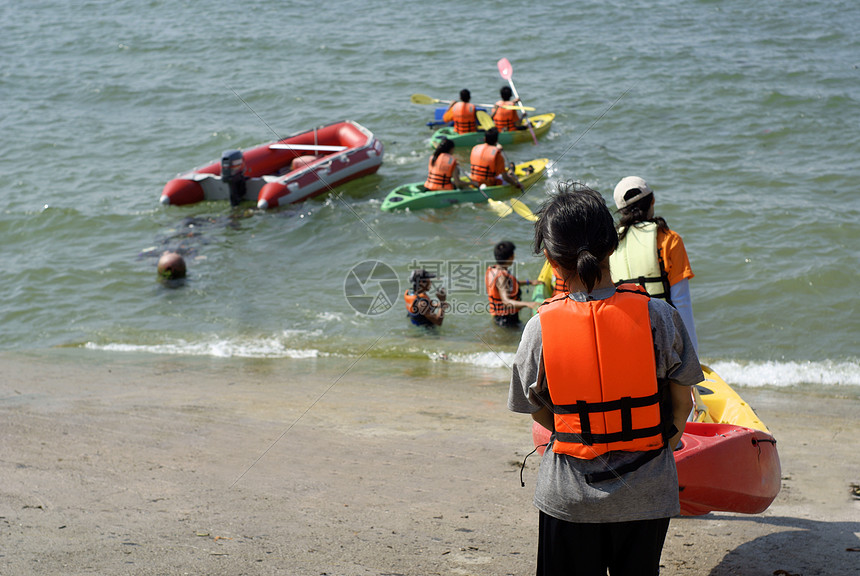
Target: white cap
[(626, 185)]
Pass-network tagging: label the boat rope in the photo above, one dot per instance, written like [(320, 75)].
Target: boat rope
[(757, 441), (523, 467)]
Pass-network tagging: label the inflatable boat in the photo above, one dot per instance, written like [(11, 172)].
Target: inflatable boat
[(726, 460), (286, 171)]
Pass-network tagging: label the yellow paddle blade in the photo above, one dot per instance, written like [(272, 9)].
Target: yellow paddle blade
[(499, 208), (523, 210), (484, 120), (520, 108), (545, 276), (423, 99)]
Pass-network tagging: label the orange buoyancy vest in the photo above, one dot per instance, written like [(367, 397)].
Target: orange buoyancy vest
[(601, 374), (497, 307), (483, 161), (464, 117), (439, 173), (559, 286), (410, 298), (505, 118)]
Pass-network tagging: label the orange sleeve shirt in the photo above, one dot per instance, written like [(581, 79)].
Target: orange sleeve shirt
[(500, 163), (675, 260)]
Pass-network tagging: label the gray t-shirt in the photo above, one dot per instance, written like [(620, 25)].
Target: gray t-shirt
[(649, 492)]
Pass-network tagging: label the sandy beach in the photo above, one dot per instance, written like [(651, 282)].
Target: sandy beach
[(167, 465)]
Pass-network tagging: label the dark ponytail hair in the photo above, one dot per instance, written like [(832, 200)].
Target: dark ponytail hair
[(577, 231), (444, 147), (636, 213)]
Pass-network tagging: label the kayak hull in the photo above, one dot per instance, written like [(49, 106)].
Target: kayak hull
[(726, 467), (541, 124), (415, 197), (722, 466)]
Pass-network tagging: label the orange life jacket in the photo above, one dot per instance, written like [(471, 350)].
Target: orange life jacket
[(505, 118), (464, 117), (483, 161), (559, 286), (601, 375), (497, 307), (439, 173), (409, 297)]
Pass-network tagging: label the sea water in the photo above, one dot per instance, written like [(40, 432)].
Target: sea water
[(744, 118)]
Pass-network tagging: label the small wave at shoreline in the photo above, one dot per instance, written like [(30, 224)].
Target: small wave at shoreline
[(271, 348), (784, 374), (824, 373)]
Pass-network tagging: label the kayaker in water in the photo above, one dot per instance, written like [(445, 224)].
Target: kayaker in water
[(463, 113), (443, 171), (506, 119), (649, 253), (420, 309), (503, 289), (489, 165), (609, 371)]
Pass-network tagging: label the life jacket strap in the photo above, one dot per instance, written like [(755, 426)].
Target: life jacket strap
[(625, 406), (609, 406), (589, 438)]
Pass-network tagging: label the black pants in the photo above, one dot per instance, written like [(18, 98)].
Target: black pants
[(624, 548)]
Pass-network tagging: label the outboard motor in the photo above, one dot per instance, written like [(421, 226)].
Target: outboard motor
[(233, 173)]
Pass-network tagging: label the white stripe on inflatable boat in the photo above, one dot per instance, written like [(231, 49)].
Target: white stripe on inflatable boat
[(314, 147)]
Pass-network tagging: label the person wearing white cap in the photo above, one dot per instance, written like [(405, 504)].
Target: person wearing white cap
[(649, 253)]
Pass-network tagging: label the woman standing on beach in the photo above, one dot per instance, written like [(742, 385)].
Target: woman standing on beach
[(608, 370), (649, 253)]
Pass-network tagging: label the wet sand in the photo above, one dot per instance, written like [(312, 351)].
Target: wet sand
[(157, 465)]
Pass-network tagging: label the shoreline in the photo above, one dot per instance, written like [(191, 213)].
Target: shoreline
[(118, 463)]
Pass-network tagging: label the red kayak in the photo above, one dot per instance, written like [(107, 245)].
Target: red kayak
[(721, 466), (287, 171)]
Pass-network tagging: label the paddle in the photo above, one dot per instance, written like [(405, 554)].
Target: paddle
[(504, 210), (484, 120), (506, 71), (523, 210), (497, 206), (424, 99)]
